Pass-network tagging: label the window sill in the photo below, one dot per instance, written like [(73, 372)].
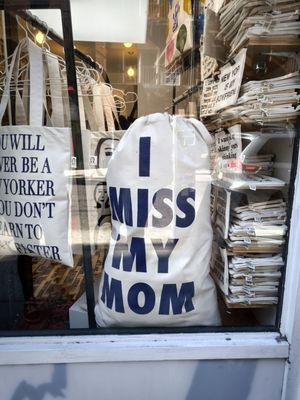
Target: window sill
[(115, 348)]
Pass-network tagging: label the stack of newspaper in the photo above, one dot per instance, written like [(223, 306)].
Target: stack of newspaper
[(267, 101), (254, 279), (246, 254), (258, 227), (256, 236), (275, 20)]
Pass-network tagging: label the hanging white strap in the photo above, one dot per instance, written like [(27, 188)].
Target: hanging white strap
[(57, 115), (98, 107), (81, 106), (20, 110), (36, 84), (90, 114), (108, 105), (25, 93), (202, 130), (67, 117), (19, 106), (115, 112), (6, 91)]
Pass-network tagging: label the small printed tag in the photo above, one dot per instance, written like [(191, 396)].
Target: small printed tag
[(73, 162), (250, 265), (93, 161), (248, 280), (247, 290)]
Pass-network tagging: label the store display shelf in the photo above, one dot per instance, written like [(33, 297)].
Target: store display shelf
[(278, 43), (245, 305), (237, 185)]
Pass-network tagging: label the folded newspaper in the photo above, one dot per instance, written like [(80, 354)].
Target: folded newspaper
[(240, 21)]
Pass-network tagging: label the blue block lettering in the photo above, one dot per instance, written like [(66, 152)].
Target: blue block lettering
[(169, 297), (137, 252), (186, 207), (142, 212), (122, 206), (112, 293), (149, 301), (164, 209), (144, 156), (163, 253)]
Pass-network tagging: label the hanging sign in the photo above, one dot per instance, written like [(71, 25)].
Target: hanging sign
[(180, 29), (230, 80), (208, 97), (229, 149)]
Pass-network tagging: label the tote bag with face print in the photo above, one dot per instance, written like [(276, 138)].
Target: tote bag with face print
[(98, 149), (34, 168), (157, 269)]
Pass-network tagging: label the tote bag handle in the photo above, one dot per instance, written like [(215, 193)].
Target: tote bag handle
[(36, 76), (36, 72), (57, 105), (200, 128), (9, 74), (108, 104), (98, 107)]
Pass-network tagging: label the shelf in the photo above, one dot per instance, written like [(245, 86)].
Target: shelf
[(244, 305), (233, 185), (274, 41)]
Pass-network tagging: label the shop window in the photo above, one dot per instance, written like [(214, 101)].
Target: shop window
[(69, 106)]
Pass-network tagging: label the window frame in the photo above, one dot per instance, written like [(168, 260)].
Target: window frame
[(160, 343)]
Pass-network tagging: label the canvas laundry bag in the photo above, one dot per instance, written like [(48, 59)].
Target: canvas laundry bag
[(157, 269), (34, 170)]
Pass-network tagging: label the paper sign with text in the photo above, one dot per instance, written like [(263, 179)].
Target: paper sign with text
[(230, 80), (229, 149)]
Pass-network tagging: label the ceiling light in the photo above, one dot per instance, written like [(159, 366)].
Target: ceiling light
[(130, 72), (127, 45), (40, 37)]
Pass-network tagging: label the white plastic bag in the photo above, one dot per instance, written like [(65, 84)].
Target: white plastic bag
[(157, 269)]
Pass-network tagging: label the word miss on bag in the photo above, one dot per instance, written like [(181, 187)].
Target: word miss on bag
[(126, 254)]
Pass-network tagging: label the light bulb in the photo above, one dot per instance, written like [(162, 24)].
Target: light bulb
[(127, 45), (130, 72), (40, 37)]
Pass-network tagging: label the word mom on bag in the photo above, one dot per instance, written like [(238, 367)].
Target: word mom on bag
[(125, 255)]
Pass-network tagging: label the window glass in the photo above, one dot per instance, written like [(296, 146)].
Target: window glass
[(151, 169)]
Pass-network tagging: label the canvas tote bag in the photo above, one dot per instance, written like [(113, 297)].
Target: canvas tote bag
[(98, 146), (34, 172), (157, 269)]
